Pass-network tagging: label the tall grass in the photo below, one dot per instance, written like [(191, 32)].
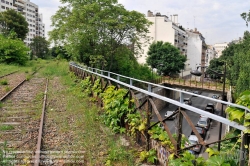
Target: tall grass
[(74, 113)]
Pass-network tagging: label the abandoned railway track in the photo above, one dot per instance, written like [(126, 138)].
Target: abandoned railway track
[(20, 121), (9, 82)]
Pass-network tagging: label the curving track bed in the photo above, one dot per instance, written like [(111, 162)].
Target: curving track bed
[(20, 117), (12, 80)]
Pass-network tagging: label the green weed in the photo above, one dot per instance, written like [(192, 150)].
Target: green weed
[(4, 82), (6, 157), (6, 127), (7, 89)]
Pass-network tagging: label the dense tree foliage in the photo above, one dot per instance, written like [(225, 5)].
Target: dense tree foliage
[(237, 59), (241, 65), (166, 58), (100, 28), (13, 51), (39, 47), (10, 20), (59, 52), (216, 65)]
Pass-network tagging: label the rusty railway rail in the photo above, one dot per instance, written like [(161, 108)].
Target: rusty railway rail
[(27, 139), (9, 74), (13, 89), (40, 134)]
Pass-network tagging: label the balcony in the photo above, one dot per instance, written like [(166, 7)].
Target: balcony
[(18, 4)]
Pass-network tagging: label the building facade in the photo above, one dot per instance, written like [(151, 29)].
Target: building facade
[(211, 53), (191, 43), (167, 30), (219, 47), (196, 49), (31, 13)]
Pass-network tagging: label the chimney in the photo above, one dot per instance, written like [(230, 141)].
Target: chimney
[(150, 14), (175, 19), (158, 14)]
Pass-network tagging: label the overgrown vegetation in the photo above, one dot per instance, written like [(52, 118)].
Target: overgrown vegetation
[(6, 127), (13, 51), (3, 82), (78, 32), (74, 112), (6, 157), (166, 58), (236, 57)]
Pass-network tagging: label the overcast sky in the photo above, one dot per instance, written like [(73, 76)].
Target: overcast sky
[(218, 20)]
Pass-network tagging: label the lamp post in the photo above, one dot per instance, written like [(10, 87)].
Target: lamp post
[(198, 73)]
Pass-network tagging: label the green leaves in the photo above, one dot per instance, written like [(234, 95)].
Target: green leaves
[(212, 152), (235, 113), (150, 156), (166, 58), (39, 47), (217, 161), (98, 33), (10, 20), (187, 159), (246, 17), (116, 107), (13, 51)]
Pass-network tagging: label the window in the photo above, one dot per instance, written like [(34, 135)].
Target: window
[(10, 4), (7, 8), (3, 7), (3, 1), (7, 3)]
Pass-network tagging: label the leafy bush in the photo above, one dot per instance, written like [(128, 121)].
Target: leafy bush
[(3, 82), (13, 51)]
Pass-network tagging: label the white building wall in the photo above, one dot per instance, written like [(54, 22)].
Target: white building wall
[(194, 50), (30, 11), (6, 4), (164, 30), (219, 47), (210, 54), (158, 31)]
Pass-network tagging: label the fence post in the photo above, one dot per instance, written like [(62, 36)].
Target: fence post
[(149, 110)]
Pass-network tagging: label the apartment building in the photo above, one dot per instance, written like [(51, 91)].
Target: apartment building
[(6, 5), (31, 13), (166, 30), (196, 49), (211, 53), (219, 47), (191, 43)]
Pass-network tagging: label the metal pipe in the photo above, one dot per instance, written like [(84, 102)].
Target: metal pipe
[(222, 112)]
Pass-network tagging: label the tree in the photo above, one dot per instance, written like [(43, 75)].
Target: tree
[(39, 47), (246, 17), (94, 28), (215, 65), (59, 52), (10, 20), (166, 58), (13, 51), (239, 71)]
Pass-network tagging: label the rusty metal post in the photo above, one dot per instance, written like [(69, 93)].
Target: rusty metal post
[(149, 110), (242, 150), (180, 117)]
